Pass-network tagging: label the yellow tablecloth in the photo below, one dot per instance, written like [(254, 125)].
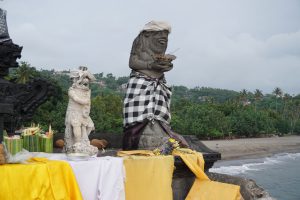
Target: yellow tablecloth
[(148, 177), (42, 179)]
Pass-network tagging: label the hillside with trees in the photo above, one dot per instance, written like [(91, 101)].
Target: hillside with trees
[(202, 111)]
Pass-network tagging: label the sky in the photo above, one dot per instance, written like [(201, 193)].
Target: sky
[(232, 44)]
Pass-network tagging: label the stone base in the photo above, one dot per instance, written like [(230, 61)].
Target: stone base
[(153, 136), (82, 148)]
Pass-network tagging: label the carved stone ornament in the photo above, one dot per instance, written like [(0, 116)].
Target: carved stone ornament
[(18, 102)]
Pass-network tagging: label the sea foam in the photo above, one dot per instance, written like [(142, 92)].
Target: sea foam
[(242, 166)]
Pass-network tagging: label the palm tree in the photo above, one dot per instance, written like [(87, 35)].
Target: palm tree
[(244, 96), (278, 93), (24, 73), (257, 96), (286, 99)]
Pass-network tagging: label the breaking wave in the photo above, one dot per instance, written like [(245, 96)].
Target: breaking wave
[(240, 167)]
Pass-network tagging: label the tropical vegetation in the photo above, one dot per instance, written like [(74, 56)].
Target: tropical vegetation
[(202, 111)]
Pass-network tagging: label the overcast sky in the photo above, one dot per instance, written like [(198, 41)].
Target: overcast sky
[(232, 44)]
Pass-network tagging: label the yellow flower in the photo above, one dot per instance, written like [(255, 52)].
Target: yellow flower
[(172, 140), (156, 152), (175, 145)]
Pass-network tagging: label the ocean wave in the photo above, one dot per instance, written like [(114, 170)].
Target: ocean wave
[(256, 166)]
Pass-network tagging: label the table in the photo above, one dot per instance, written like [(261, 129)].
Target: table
[(99, 178)]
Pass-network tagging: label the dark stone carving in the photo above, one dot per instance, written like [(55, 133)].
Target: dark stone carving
[(17, 101), (9, 53), (3, 26), (22, 100)]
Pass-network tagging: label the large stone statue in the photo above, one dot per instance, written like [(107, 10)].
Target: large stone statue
[(147, 102), (78, 122)]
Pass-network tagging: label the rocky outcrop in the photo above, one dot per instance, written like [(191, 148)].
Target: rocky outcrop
[(249, 189)]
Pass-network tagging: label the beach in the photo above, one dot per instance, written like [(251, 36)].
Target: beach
[(272, 162), (254, 147)]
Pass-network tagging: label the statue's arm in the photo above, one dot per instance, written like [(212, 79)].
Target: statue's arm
[(137, 64), (84, 101)]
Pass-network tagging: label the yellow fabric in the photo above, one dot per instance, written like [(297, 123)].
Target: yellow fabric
[(203, 188), (212, 190), (194, 160), (136, 153), (39, 179), (148, 178)]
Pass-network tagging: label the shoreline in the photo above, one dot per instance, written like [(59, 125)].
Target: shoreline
[(254, 148)]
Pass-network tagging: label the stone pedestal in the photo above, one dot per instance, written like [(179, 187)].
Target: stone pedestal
[(153, 136), (183, 179)]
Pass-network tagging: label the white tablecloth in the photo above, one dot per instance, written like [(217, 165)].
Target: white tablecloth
[(99, 178)]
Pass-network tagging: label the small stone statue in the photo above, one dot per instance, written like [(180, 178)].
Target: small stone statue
[(78, 122), (147, 102)]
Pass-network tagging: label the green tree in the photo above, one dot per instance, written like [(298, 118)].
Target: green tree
[(278, 94), (244, 96), (258, 95), (247, 122), (24, 73), (202, 120), (106, 112)]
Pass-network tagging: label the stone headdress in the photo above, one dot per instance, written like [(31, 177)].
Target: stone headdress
[(81, 73), (149, 27), (157, 26)]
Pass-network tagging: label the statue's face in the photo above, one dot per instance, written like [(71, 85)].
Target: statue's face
[(83, 83), (158, 41)]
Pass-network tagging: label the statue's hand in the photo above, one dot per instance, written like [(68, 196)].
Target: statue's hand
[(167, 69), (161, 65)]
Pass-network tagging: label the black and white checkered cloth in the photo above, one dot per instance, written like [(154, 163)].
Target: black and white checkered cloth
[(146, 98)]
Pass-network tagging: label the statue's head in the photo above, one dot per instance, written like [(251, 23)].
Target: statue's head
[(81, 78), (153, 38)]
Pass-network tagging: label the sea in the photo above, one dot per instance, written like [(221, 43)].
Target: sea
[(279, 175)]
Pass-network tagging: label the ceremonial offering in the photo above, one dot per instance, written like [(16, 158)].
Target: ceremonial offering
[(14, 144), (46, 141), (31, 138), (164, 57), (78, 156), (2, 154), (167, 147)]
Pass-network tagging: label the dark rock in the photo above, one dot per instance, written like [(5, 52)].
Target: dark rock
[(249, 189), (209, 155)]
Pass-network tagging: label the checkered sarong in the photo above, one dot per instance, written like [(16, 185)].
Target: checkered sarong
[(146, 98)]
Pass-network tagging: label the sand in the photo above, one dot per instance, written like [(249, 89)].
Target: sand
[(254, 147)]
